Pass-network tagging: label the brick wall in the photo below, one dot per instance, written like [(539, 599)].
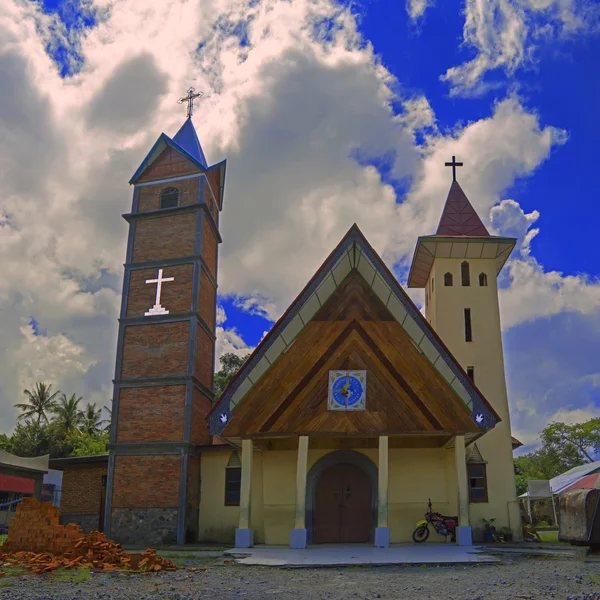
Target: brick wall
[(164, 236), (151, 414), (204, 366), (149, 195), (200, 407), (210, 197), (209, 248), (169, 164), (176, 296), (82, 489), (154, 350), (214, 180), (146, 481), (206, 300)]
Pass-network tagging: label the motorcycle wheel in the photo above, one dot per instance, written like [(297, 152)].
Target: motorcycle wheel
[(420, 534)]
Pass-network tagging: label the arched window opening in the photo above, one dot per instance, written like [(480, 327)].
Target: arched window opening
[(464, 272), (448, 279), (169, 197), (482, 279)]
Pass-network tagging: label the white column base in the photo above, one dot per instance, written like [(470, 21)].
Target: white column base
[(382, 537), (464, 536), (298, 539), (244, 538)]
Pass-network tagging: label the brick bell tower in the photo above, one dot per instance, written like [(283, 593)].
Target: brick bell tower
[(166, 344)]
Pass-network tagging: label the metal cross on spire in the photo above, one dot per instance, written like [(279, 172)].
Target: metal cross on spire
[(190, 100), (453, 164)]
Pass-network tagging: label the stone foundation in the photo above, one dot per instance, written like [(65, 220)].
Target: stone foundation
[(86, 522), (144, 526)]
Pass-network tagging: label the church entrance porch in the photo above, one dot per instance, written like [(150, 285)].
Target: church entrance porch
[(343, 506)]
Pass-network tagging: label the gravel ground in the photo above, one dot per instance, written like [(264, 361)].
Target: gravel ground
[(516, 577)]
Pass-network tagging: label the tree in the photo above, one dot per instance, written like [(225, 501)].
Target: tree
[(230, 365), (5, 443), (68, 415), (580, 441), (91, 419), (89, 445), (41, 402)]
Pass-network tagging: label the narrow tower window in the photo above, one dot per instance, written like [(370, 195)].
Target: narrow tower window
[(482, 279), (169, 197), (471, 373), (464, 272), (448, 279), (468, 334)]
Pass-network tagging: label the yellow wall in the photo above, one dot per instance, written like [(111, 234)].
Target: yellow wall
[(445, 311), (414, 476)]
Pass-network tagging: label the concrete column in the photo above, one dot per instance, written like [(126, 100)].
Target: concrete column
[(244, 536), (298, 539), (463, 531), (382, 533)]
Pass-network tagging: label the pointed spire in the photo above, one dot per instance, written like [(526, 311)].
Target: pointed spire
[(187, 139), (459, 216)]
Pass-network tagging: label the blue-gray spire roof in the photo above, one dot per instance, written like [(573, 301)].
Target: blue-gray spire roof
[(185, 142), (187, 138)]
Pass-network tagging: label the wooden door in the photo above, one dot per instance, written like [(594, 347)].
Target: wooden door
[(343, 506)]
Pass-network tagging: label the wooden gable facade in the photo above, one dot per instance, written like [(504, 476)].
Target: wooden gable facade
[(416, 393)]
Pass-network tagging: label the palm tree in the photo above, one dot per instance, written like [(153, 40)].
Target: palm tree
[(91, 421), (41, 401), (107, 422), (68, 415)]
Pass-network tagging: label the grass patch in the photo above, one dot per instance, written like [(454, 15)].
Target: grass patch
[(3, 537), (550, 537), (79, 575)]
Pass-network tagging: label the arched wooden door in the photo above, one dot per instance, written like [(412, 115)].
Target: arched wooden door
[(343, 506)]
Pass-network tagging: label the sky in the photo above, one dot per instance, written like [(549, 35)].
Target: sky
[(328, 114)]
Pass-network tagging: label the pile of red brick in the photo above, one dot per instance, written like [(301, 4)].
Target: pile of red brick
[(37, 541)]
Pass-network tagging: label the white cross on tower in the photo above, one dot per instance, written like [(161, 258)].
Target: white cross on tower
[(157, 309)]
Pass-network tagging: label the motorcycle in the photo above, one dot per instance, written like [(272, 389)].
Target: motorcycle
[(443, 525)]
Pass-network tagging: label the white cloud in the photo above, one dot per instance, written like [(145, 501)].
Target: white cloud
[(416, 8), (506, 34)]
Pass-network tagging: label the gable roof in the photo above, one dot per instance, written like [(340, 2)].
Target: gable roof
[(459, 216), (353, 252), (185, 142)]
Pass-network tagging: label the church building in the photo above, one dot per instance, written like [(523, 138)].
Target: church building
[(351, 413)]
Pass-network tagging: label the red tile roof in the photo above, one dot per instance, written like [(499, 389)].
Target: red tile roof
[(459, 216)]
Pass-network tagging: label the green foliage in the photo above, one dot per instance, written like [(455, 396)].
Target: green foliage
[(40, 403), (87, 444), (56, 427), (230, 365), (563, 447)]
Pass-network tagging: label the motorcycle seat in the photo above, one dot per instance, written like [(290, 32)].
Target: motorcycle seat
[(446, 518)]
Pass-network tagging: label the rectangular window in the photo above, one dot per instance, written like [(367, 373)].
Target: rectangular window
[(471, 373), (233, 481), (468, 333), (477, 483)]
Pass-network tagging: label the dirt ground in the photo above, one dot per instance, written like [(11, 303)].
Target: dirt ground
[(515, 577)]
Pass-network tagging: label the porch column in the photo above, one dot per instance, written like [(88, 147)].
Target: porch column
[(382, 533), (463, 531), (244, 536), (298, 539)]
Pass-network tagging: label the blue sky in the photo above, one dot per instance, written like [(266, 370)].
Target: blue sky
[(328, 114)]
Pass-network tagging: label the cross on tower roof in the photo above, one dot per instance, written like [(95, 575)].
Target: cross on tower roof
[(190, 100), (453, 164)]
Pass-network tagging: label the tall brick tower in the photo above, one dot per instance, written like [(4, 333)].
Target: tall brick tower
[(166, 344)]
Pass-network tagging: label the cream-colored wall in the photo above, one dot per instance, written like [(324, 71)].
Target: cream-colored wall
[(414, 476), (217, 521), (445, 311)]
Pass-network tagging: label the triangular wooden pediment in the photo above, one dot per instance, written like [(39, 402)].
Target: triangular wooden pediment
[(405, 393), (352, 315), (169, 163)]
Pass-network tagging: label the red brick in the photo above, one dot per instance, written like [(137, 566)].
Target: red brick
[(164, 236), (204, 359), (155, 350), (146, 481), (151, 414), (169, 164), (176, 296), (149, 195), (82, 489), (200, 407), (207, 300)]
